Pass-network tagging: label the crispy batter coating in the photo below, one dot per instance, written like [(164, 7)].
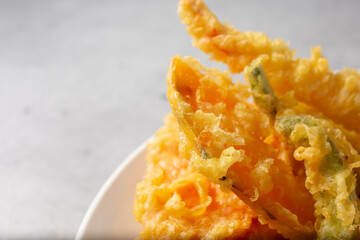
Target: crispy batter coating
[(337, 95), (175, 202), (289, 160), (224, 137), (329, 162), (329, 159)]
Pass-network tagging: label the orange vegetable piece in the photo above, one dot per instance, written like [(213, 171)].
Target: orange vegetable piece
[(175, 202), (223, 136)]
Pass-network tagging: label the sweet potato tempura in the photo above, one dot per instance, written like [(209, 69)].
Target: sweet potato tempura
[(175, 202), (337, 95)]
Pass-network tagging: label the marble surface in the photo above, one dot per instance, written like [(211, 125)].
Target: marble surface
[(82, 83)]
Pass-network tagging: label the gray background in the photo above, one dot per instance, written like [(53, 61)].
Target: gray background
[(82, 83)]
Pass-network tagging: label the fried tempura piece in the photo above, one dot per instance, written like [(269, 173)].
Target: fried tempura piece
[(175, 202), (329, 160), (223, 135), (337, 95), (264, 97)]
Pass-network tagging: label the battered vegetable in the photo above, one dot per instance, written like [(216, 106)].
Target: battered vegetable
[(261, 89), (330, 178), (221, 136), (336, 95), (175, 202)]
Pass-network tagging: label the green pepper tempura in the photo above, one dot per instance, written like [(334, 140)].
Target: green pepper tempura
[(329, 161)]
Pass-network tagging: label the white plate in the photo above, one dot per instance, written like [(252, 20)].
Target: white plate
[(110, 215)]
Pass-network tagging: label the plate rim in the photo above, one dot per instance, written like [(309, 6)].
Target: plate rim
[(105, 187)]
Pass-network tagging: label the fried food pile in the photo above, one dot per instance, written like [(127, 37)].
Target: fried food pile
[(286, 143)]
